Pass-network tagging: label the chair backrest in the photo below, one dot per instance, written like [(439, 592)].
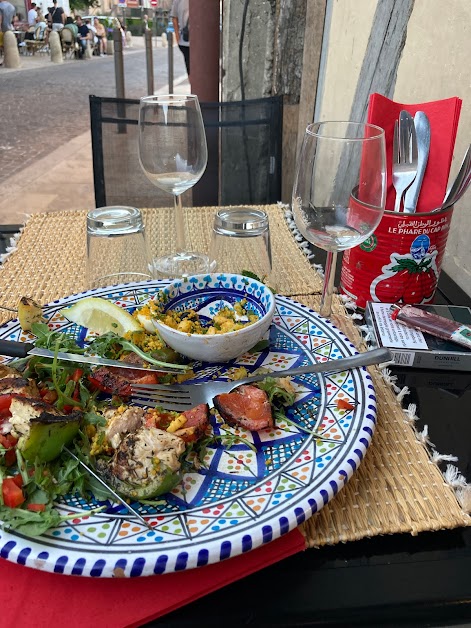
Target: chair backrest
[(244, 154), (67, 36), (39, 32)]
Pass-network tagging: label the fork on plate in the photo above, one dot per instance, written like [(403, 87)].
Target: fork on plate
[(404, 166), (184, 397)]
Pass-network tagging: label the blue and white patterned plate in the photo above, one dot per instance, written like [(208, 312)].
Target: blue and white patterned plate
[(242, 499)]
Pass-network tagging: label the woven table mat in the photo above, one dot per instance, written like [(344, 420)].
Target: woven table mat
[(50, 259), (397, 488)]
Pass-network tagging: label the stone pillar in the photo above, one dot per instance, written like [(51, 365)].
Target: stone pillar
[(88, 51), (129, 43), (55, 47), (110, 47), (10, 50)]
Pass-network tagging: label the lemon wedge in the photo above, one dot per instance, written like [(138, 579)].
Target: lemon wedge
[(101, 316)]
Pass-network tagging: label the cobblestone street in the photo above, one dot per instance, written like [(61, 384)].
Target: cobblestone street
[(45, 142), (45, 106)]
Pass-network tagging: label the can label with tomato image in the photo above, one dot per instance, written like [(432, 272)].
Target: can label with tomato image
[(400, 262)]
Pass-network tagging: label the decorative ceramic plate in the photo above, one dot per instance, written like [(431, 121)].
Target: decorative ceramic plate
[(241, 499)]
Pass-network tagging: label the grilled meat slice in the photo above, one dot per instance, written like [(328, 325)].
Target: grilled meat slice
[(117, 381), (145, 463), (122, 420), (15, 385), (41, 429), (8, 371), (246, 406), (197, 421)]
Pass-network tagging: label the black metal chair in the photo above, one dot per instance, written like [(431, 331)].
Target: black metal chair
[(244, 154)]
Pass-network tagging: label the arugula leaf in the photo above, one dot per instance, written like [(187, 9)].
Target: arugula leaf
[(251, 275), (112, 346), (33, 523), (260, 346), (277, 394), (48, 339)]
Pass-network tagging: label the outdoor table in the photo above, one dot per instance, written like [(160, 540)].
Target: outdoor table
[(393, 545)]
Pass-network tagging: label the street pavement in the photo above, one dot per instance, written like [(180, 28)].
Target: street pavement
[(45, 144)]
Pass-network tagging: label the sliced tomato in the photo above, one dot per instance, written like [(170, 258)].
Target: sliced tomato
[(18, 480), (343, 404), (8, 442), (77, 375), (36, 507), (12, 494), (5, 401), (48, 396), (9, 457), (97, 385)]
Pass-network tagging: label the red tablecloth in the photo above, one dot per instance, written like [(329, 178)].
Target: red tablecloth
[(33, 598)]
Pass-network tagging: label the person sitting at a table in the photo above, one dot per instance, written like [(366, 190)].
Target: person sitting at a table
[(100, 33), (32, 15), (71, 26), (93, 38), (41, 27), (83, 36)]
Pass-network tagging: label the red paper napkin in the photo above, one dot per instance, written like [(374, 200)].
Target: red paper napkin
[(33, 598), (443, 116)]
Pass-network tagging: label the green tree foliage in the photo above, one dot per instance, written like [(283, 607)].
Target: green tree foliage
[(80, 5)]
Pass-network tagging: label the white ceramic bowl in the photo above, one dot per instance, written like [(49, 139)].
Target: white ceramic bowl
[(207, 294)]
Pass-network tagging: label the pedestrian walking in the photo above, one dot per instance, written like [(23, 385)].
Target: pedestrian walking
[(145, 23), (180, 14), (56, 16), (7, 13)]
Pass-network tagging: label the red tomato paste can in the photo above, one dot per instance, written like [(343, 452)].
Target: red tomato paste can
[(400, 262)]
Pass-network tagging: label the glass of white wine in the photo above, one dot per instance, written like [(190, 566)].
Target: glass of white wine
[(339, 191), (173, 155)]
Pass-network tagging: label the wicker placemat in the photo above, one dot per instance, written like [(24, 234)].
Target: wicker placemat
[(51, 256), (396, 489)]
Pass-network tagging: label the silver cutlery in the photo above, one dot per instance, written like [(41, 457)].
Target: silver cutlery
[(461, 183), (185, 397), (404, 167), (25, 349), (422, 130)]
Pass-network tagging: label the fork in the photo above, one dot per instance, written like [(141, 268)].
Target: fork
[(404, 167), (184, 397)]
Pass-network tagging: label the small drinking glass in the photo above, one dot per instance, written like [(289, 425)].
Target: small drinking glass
[(116, 247), (241, 242)]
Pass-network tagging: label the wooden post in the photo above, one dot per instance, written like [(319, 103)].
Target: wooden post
[(204, 49)]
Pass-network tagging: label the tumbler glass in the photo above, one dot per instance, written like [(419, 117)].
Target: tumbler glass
[(117, 250), (241, 242)]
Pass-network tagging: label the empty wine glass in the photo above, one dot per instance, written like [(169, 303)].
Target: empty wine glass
[(339, 191), (173, 155)]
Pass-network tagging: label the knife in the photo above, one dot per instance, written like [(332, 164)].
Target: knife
[(24, 349), (422, 128)]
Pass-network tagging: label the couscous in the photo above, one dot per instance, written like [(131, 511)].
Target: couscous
[(225, 320)]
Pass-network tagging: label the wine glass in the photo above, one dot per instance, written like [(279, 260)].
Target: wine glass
[(339, 191), (173, 155)]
